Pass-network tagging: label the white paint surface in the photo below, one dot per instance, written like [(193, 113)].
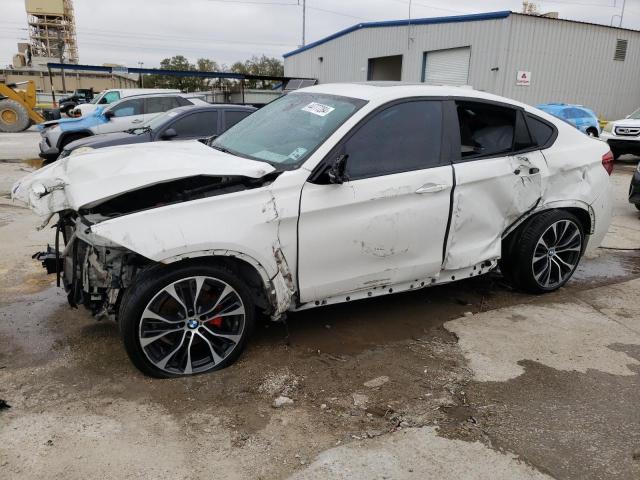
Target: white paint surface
[(103, 173)]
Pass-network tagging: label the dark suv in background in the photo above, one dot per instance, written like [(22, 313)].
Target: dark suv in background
[(194, 122)]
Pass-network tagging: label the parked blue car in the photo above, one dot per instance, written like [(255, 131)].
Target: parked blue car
[(580, 117)]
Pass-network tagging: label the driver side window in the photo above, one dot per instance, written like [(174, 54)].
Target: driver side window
[(400, 138)]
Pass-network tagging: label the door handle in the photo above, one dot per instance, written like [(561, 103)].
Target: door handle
[(534, 170), (431, 188), (136, 121)]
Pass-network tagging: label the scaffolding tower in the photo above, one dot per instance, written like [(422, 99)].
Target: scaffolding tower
[(52, 29)]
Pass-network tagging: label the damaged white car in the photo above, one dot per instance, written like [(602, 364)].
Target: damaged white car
[(330, 194)]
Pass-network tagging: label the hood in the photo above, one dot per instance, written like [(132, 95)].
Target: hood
[(109, 140), (88, 179), (627, 122), (86, 108), (76, 123)]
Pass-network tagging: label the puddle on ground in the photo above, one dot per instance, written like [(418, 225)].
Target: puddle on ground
[(610, 266)]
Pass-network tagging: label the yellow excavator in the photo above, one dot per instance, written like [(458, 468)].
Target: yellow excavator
[(17, 107)]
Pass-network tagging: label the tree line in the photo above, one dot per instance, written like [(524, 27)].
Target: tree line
[(263, 65)]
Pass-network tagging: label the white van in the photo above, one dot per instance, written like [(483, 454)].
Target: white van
[(113, 95)]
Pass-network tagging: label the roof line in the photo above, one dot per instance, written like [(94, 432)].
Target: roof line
[(398, 23)]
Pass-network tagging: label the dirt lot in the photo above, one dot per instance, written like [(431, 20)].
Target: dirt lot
[(469, 380)]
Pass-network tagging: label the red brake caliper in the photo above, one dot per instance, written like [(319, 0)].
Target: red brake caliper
[(215, 321)]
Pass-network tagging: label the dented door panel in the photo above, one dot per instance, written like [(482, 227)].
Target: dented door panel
[(373, 232), (489, 195)]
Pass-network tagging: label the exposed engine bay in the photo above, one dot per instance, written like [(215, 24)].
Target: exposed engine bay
[(92, 271)]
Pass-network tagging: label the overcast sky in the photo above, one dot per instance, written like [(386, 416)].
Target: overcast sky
[(132, 31)]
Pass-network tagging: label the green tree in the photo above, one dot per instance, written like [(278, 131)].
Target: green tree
[(254, 66)]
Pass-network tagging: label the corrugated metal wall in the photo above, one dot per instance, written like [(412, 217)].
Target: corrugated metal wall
[(570, 62), (573, 63)]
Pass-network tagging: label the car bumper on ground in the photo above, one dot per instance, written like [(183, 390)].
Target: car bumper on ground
[(47, 151), (634, 189)]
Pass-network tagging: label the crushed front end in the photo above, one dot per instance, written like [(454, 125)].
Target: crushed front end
[(93, 271)]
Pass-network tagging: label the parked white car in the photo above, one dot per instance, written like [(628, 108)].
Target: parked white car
[(623, 136), (122, 115), (329, 194), (112, 95)]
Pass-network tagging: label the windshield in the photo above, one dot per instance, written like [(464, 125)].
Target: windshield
[(155, 122), (286, 131), (635, 115), (97, 99)]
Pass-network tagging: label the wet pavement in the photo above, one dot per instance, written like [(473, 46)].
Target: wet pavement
[(79, 409)]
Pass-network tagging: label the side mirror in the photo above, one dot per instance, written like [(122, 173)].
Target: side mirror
[(337, 173), (168, 134), (109, 114)]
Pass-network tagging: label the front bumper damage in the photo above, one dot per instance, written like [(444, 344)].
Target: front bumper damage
[(92, 270)]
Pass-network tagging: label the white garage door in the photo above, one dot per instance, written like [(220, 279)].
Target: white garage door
[(447, 67)]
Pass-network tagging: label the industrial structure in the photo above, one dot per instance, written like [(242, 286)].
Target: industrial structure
[(52, 38), (52, 32), (531, 58)]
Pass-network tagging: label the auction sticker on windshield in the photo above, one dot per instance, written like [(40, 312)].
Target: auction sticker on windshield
[(318, 109)]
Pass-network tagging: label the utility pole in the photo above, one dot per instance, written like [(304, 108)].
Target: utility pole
[(61, 52), (621, 16), (141, 76), (409, 28), (304, 20)]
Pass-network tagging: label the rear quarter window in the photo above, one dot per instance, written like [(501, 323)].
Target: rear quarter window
[(542, 132)]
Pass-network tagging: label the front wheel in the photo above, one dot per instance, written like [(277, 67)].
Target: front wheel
[(186, 319), (547, 252)]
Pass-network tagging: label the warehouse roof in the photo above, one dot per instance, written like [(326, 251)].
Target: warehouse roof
[(431, 21), (398, 23)]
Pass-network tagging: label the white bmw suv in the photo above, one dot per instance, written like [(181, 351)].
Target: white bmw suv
[(331, 194)]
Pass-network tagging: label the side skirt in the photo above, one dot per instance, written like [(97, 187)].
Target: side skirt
[(445, 276)]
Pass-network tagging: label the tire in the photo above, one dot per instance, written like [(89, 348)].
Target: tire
[(505, 263), (169, 355), (637, 205), (13, 116), (67, 110), (67, 139), (592, 132), (616, 154), (537, 269)]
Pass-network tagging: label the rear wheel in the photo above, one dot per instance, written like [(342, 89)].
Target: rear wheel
[(546, 253), (637, 205), (13, 116), (186, 319)]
